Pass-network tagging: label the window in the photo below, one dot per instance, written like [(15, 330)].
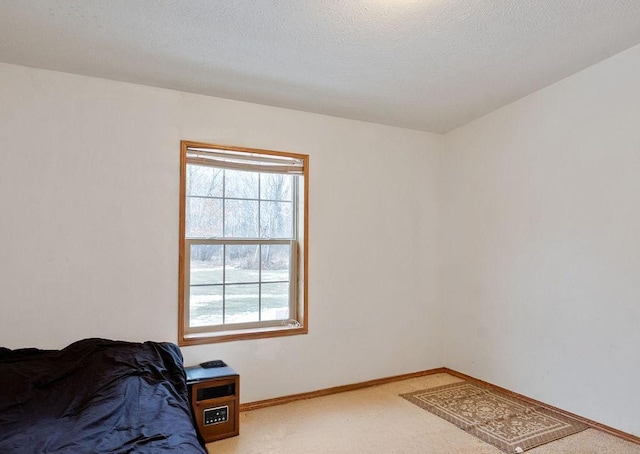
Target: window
[(243, 243)]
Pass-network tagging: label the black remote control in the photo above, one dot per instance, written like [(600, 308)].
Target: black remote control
[(212, 364)]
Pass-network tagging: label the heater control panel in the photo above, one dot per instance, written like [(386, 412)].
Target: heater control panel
[(216, 415)]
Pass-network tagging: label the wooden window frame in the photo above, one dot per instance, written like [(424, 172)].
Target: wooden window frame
[(238, 332)]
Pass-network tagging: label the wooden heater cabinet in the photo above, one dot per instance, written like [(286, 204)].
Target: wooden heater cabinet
[(215, 399)]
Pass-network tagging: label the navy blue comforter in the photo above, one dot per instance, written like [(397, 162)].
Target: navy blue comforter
[(95, 396)]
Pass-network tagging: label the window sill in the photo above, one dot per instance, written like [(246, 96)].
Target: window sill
[(228, 336)]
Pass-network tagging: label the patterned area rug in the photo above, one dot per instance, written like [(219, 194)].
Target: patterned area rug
[(509, 423)]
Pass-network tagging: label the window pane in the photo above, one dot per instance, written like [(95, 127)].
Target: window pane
[(206, 265), (276, 220), (203, 217), (241, 219), (239, 184), (275, 186), (242, 264), (204, 181), (242, 303), (205, 306), (275, 262), (275, 301)]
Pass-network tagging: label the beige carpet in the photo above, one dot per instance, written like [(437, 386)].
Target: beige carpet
[(377, 421), (508, 423)]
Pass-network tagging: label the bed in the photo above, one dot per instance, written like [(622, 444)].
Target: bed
[(96, 396)]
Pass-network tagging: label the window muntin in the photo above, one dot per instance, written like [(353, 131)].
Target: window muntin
[(243, 243)]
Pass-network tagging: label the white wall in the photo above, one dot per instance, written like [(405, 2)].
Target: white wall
[(89, 174), (540, 244)]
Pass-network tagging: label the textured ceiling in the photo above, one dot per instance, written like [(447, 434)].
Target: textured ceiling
[(431, 65)]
